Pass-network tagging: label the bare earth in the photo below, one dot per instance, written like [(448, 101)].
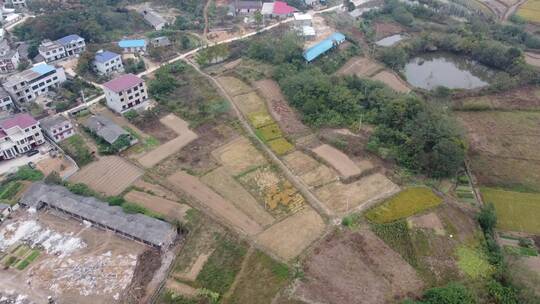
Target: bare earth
[(360, 66), (214, 203), (338, 160), (231, 190), (193, 272), (357, 267), (428, 221), (288, 238), (181, 288), (532, 59), (393, 81), (309, 169), (239, 156), (155, 189), (165, 207), (109, 175)]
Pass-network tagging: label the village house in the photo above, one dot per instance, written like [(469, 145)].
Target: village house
[(9, 58), (124, 93), (133, 46), (51, 50), (57, 127), (107, 130), (246, 7), (25, 86), (18, 4), (160, 41), (277, 9), (154, 19), (19, 134), (106, 62), (6, 103), (73, 44)]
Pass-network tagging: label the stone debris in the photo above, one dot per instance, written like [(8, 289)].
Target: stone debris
[(11, 297)]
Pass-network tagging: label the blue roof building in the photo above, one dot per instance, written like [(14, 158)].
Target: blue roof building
[(105, 56), (42, 68), (322, 47), (137, 43), (69, 39)]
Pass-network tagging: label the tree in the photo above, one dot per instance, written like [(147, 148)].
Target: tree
[(349, 5), (450, 294), (185, 42), (258, 17), (487, 218), (53, 179), (23, 65)]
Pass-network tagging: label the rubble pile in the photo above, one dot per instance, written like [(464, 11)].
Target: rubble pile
[(11, 297)]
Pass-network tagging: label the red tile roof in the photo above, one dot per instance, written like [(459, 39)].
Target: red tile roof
[(282, 8), (22, 120), (122, 83)]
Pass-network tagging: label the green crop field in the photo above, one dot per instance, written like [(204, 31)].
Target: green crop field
[(269, 132), (516, 211), (280, 146), (404, 204), (473, 262), (530, 11)]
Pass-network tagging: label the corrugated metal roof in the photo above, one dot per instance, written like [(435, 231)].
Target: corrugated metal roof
[(132, 43), (105, 56), (105, 128), (42, 68), (68, 39), (323, 46)]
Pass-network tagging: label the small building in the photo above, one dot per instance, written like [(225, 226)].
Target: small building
[(6, 103), (57, 127), (19, 134), (126, 92), (324, 46), (137, 227), (9, 58), (133, 46), (25, 86), (277, 9), (311, 2), (302, 19), (18, 4), (73, 44), (106, 63), (51, 50), (267, 9), (154, 19), (242, 7), (308, 32), (160, 41), (106, 129)]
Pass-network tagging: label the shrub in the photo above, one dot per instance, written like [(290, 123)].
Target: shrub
[(133, 208), (53, 179), (116, 200), (81, 189), (29, 174)]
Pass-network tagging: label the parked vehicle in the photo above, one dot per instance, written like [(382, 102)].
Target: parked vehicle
[(32, 152), (31, 165)]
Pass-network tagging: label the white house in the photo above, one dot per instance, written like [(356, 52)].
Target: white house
[(242, 7), (57, 127), (124, 93), (19, 134), (106, 62), (18, 4), (27, 85), (133, 46), (73, 44), (6, 103), (302, 19), (9, 58), (51, 50)]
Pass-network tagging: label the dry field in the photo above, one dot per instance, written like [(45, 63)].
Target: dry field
[(428, 221), (393, 81), (310, 170), (340, 161), (524, 98), (185, 136), (234, 86), (109, 175), (357, 267), (213, 202), (385, 29), (343, 198), (289, 237), (360, 66), (286, 117), (532, 59), (191, 274), (249, 103), (58, 164), (239, 156), (155, 189), (170, 209), (223, 183)]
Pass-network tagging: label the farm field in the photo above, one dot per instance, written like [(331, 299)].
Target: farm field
[(109, 175), (339, 161), (239, 156), (169, 209), (393, 81), (404, 204), (331, 271), (289, 237), (310, 170), (360, 66), (530, 11), (516, 211), (525, 98), (504, 148)]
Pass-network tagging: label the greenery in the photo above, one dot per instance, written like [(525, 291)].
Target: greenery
[(28, 174), (404, 204), (396, 235), (75, 147), (9, 190), (213, 54), (450, 294), (280, 146), (82, 189), (134, 66), (473, 263)]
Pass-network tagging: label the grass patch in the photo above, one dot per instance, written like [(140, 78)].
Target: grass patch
[(10, 190), (33, 256), (516, 211), (269, 132), (75, 147), (28, 174), (520, 251), (146, 143), (280, 146), (260, 119), (222, 266), (473, 262), (22, 265), (10, 260), (404, 204), (262, 279), (133, 208), (396, 235)]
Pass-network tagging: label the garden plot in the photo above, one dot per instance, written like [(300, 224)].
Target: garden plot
[(289, 237), (223, 183), (360, 66), (155, 190), (109, 175), (185, 136), (340, 161), (343, 198), (393, 81), (249, 103), (310, 170), (234, 86), (169, 209), (214, 203), (239, 156), (356, 267)]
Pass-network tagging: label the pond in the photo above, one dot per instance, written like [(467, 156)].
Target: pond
[(430, 71), (390, 40)]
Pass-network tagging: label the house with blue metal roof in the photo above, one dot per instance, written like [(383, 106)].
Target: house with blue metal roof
[(106, 63), (133, 45), (70, 45), (27, 85), (73, 44), (324, 46)]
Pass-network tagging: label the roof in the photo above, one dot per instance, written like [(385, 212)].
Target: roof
[(132, 43), (142, 227), (105, 128), (123, 82), (239, 4), (68, 39), (323, 46), (302, 17), (105, 56), (23, 121), (267, 8), (282, 8), (153, 18), (3, 93), (308, 31), (42, 68), (52, 121), (162, 41)]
